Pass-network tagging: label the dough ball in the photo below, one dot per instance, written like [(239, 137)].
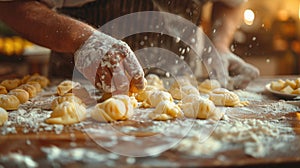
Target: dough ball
[(201, 108), (9, 102), (66, 86), (154, 80), (116, 108), (180, 92), (144, 94), (155, 97), (10, 84), (166, 110), (42, 80), (37, 85), (21, 94), (3, 116), (30, 89), (69, 97), (224, 97), (208, 85), (25, 79), (3, 90), (277, 85), (67, 113)]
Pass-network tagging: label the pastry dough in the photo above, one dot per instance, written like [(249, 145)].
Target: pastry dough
[(69, 97), (179, 93), (3, 116), (287, 89), (166, 110), (3, 90), (224, 97), (67, 113), (37, 85), (208, 85), (144, 94), (10, 84), (30, 89), (154, 80), (277, 85), (118, 107), (66, 86), (42, 80), (155, 97), (201, 108), (9, 102), (21, 94)]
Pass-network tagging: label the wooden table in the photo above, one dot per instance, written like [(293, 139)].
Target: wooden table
[(91, 144)]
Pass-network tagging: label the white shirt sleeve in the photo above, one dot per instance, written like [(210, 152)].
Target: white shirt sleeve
[(65, 3)]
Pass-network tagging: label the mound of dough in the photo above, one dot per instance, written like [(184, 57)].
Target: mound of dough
[(195, 106), (287, 86), (3, 116), (155, 81), (181, 92), (66, 86), (208, 85), (3, 90), (30, 89), (116, 108), (155, 97), (10, 84), (224, 97), (42, 80), (21, 94), (69, 97), (67, 113), (166, 110), (9, 102), (144, 94)]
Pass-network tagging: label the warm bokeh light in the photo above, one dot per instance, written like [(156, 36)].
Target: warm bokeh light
[(249, 17)]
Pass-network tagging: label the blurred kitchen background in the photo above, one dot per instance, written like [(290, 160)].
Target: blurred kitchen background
[(267, 38)]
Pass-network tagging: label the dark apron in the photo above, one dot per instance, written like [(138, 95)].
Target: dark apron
[(102, 11)]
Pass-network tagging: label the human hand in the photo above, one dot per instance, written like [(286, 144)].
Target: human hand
[(239, 72), (109, 64)]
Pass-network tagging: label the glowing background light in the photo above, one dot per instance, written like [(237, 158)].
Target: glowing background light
[(249, 16)]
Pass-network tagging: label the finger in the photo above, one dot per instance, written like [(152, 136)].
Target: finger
[(104, 79), (133, 67), (120, 80)]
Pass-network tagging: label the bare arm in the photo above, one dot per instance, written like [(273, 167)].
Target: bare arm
[(225, 21), (43, 26)]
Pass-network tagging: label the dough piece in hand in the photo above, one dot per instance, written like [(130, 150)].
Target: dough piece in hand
[(202, 108), (116, 108), (10, 84), (155, 97), (30, 89), (224, 97), (208, 85), (21, 94), (9, 102), (154, 80), (180, 93), (3, 116), (67, 113), (37, 85), (66, 86), (42, 80), (166, 110), (69, 97), (3, 90)]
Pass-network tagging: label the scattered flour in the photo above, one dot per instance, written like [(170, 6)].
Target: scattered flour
[(18, 160)]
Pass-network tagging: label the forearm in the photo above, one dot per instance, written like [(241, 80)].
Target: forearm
[(43, 26), (225, 21)]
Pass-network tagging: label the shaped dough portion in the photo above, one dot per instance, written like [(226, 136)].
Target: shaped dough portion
[(66, 86), (181, 92), (42, 80), (21, 94), (155, 97), (155, 81), (208, 85), (166, 110), (9, 102), (3, 116), (67, 113), (116, 108), (69, 97), (30, 89), (3, 90), (10, 84), (144, 94), (224, 97), (201, 108)]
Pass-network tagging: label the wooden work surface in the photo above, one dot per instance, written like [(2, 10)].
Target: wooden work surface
[(142, 143)]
